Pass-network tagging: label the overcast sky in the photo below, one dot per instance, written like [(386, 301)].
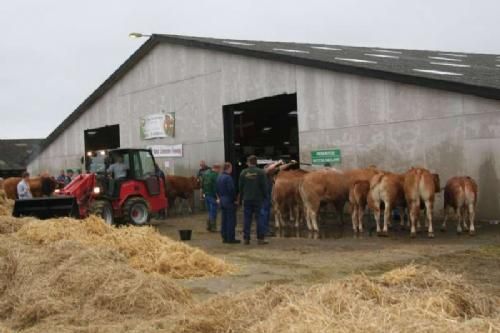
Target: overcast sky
[(53, 54)]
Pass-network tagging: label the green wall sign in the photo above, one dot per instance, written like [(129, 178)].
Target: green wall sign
[(320, 157)]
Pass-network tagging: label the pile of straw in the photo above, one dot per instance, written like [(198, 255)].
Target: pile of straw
[(67, 285), (6, 204), (409, 299), (144, 247)]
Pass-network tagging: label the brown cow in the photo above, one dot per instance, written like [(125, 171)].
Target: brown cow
[(181, 187), (329, 185), (387, 190), (286, 197), (460, 195), (39, 186), (437, 186), (358, 197), (420, 186)]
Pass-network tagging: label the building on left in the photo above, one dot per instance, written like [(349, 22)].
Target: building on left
[(15, 155)]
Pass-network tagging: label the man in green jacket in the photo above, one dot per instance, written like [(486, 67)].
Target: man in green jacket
[(253, 192), (208, 190)]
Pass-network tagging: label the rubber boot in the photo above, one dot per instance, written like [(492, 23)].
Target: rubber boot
[(213, 226)]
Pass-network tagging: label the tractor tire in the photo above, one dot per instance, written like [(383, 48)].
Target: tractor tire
[(104, 210), (136, 211)]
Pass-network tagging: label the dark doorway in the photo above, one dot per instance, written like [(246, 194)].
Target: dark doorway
[(97, 141), (265, 127), (102, 138)]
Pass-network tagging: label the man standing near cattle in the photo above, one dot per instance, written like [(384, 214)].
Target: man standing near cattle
[(253, 192), (226, 196), (208, 190), (23, 187), (201, 172)]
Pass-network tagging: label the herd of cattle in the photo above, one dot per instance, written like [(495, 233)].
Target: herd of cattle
[(298, 195)]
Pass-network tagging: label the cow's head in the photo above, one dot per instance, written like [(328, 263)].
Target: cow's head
[(195, 182), (50, 182)]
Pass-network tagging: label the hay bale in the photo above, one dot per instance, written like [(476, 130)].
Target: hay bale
[(68, 284), (6, 204), (10, 224), (144, 247)]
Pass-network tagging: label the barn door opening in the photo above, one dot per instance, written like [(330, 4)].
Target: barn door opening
[(265, 127)]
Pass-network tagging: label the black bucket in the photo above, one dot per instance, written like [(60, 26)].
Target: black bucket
[(185, 235), (46, 207)]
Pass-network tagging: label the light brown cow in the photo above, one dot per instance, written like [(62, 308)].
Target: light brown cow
[(286, 197), (329, 185), (37, 186), (420, 186), (387, 190), (460, 196), (358, 197), (181, 187)]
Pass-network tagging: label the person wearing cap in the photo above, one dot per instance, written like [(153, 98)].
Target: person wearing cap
[(253, 192), (208, 190), (226, 196), (23, 187)]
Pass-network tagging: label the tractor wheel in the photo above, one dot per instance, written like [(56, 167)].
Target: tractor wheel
[(103, 209), (136, 211)]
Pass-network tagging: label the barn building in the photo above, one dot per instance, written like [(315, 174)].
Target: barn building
[(191, 98)]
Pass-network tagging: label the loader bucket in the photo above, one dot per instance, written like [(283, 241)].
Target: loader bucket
[(46, 207)]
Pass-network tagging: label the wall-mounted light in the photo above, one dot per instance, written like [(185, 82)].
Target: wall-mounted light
[(237, 113), (266, 129), (292, 113), (137, 35)]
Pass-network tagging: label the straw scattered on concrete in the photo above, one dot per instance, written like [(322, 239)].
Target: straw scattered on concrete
[(410, 299)]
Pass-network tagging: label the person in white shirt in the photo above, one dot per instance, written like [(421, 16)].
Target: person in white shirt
[(118, 169), (23, 187)]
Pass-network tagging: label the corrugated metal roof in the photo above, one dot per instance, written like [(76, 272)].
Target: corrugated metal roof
[(472, 73), (469, 73)]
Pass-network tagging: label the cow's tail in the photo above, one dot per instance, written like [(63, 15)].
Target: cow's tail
[(470, 191), (376, 179)]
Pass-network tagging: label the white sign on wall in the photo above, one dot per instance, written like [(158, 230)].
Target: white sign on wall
[(157, 126), (166, 150)]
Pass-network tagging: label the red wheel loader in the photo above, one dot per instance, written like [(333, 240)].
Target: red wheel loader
[(131, 198)]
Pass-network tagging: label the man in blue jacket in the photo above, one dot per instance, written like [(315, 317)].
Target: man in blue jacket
[(226, 196)]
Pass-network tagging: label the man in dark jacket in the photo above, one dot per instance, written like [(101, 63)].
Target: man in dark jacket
[(208, 189), (253, 191), (226, 196)]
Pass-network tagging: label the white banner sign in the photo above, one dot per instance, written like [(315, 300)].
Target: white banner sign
[(166, 150)]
